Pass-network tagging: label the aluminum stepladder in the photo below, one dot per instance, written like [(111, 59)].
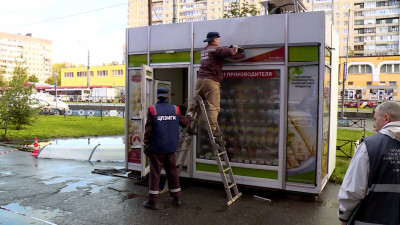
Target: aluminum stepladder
[(218, 146)]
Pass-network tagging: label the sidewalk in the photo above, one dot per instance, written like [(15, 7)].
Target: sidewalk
[(67, 192)]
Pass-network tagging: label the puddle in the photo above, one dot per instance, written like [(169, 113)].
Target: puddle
[(5, 173), (14, 213), (115, 140), (55, 180), (73, 186), (95, 189), (101, 149)]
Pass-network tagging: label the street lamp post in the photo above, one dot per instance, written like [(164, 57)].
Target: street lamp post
[(88, 68), (88, 64), (55, 87)]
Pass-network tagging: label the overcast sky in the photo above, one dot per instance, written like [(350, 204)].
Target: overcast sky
[(99, 24)]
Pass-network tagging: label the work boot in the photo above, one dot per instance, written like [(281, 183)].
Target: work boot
[(150, 205), (191, 131), (176, 201), (220, 142), (217, 133)]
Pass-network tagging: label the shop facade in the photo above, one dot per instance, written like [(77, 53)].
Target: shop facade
[(375, 78), (278, 99)]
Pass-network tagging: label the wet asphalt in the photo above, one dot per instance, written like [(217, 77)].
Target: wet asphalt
[(58, 191), (55, 191)]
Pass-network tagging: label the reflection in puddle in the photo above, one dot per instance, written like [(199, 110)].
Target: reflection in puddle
[(73, 186), (6, 173), (16, 214), (104, 149)]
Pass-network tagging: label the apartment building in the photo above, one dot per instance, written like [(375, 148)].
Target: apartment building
[(367, 27), (112, 75), (34, 52), (372, 77), (186, 11)]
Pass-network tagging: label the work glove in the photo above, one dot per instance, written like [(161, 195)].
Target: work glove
[(146, 150), (233, 46)]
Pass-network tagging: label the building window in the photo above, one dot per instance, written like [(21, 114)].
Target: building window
[(390, 68), (382, 83), (81, 74), (350, 83), (369, 83), (392, 83), (69, 74), (102, 73), (337, 15), (117, 72), (360, 69)]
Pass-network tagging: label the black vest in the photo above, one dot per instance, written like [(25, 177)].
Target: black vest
[(381, 205), (165, 133)]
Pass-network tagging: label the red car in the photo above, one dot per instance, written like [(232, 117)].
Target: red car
[(363, 104)]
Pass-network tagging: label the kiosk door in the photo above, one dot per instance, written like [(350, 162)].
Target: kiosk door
[(148, 98)]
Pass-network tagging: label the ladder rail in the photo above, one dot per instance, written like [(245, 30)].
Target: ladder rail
[(218, 151), (218, 145)]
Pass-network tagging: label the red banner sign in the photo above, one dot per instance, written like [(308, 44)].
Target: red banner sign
[(249, 74)]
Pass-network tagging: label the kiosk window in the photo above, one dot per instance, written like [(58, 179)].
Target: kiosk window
[(249, 117)]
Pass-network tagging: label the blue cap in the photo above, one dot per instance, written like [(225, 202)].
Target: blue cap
[(211, 36), (162, 92)]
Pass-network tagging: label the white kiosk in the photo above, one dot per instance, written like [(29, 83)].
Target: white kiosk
[(278, 99)]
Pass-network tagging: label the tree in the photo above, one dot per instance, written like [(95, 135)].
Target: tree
[(56, 68), (2, 79), (14, 104), (33, 78), (246, 10), (351, 52), (50, 81)]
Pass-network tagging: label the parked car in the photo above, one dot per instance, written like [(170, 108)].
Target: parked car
[(363, 104), (48, 104)]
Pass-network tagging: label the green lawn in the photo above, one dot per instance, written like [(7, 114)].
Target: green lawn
[(342, 162), (70, 126)]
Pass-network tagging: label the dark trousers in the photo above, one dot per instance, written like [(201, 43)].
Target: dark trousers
[(157, 162)]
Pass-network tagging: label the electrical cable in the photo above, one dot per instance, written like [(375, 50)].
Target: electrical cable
[(63, 17)]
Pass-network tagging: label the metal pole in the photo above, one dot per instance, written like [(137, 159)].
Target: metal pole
[(149, 11), (343, 89), (88, 68), (174, 14), (55, 87), (345, 66)]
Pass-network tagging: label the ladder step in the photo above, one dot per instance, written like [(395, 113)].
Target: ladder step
[(221, 153), (234, 199), (227, 169), (231, 186), (178, 164)]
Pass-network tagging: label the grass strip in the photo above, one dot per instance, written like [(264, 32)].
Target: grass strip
[(70, 126)]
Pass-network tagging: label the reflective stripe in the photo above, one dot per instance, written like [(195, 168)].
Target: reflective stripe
[(153, 192), (175, 190), (208, 50), (392, 188), (153, 110), (364, 223)]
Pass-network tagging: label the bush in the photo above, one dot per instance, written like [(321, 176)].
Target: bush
[(14, 104)]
